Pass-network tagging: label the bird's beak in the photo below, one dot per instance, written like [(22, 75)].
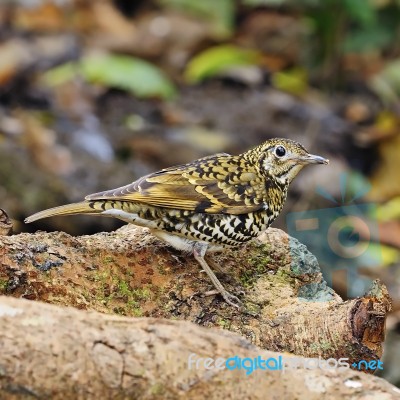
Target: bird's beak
[(313, 159)]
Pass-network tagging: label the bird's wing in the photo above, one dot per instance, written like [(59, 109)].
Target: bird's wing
[(214, 184)]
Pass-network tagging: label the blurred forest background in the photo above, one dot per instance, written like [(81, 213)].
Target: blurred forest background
[(94, 94)]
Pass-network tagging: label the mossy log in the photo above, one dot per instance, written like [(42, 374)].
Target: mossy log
[(129, 272)]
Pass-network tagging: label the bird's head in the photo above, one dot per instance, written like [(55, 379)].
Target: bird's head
[(283, 159)]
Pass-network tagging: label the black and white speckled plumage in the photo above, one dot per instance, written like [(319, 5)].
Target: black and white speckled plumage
[(217, 228), (208, 204)]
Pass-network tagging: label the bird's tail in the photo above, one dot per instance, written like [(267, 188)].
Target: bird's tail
[(69, 209)]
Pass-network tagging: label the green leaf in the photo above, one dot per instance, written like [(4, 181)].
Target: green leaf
[(294, 81), (61, 74), (363, 40), (274, 3), (257, 3), (388, 255), (221, 13), (124, 72), (389, 211), (215, 60), (361, 11)]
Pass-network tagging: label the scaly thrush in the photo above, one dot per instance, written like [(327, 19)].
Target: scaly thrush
[(209, 204)]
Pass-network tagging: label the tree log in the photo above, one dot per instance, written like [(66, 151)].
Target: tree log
[(62, 353), (288, 305)]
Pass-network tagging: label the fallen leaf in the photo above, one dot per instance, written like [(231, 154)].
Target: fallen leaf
[(124, 72), (215, 60)]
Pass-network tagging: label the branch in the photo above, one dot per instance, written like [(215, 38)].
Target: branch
[(130, 272), (62, 353)]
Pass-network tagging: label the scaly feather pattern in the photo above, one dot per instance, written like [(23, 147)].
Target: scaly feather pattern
[(217, 184), (213, 202)]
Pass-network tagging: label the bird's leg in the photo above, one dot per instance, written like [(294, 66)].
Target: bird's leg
[(199, 250), (215, 266)]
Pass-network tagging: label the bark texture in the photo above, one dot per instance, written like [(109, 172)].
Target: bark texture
[(49, 352), (288, 305)]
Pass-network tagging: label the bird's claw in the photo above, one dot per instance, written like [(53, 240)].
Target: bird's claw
[(229, 298), (232, 299)]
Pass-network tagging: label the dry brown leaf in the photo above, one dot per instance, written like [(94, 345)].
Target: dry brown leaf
[(47, 16), (112, 30), (14, 55), (41, 144)]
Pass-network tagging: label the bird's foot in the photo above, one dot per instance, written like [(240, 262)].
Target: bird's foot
[(228, 297), (232, 299)]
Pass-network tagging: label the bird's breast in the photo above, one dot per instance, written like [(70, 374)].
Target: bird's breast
[(223, 229)]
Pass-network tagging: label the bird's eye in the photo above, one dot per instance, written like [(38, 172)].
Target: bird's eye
[(280, 151)]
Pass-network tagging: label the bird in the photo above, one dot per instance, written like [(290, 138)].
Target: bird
[(207, 205)]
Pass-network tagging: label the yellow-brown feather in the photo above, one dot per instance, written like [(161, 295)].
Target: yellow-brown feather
[(214, 184), (69, 209)]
